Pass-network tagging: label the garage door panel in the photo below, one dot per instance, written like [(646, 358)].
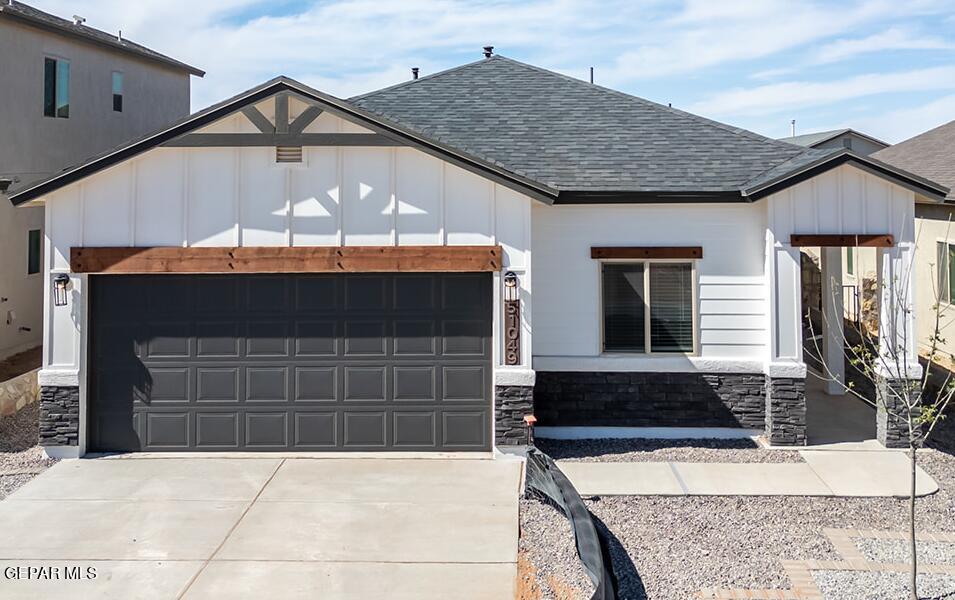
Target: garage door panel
[(415, 293), (266, 430), (169, 430), (170, 296), (301, 362), (267, 338), (316, 430), (217, 295), (169, 385), (415, 429), (268, 294), (217, 384), (413, 337), (365, 384), (464, 383), (365, 293), (365, 429), (415, 384), (218, 339), (316, 293), (464, 292), (465, 430), (365, 338), (316, 338), (217, 430), (266, 384), (168, 339), (316, 384)]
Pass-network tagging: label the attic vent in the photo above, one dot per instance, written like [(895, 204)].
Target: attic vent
[(288, 154)]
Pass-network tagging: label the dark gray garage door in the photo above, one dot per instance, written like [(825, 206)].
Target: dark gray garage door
[(291, 362)]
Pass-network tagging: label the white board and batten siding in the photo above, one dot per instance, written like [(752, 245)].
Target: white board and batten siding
[(351, 196), (731, 291), (845, 200)]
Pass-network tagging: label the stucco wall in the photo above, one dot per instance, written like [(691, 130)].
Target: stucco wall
[(33, 145)]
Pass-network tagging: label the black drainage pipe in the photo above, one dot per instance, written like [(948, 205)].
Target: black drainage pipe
[(546, 479)]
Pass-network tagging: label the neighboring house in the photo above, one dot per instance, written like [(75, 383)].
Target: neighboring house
[(932, 154), (420, 268), (68, 92), (856, 141)]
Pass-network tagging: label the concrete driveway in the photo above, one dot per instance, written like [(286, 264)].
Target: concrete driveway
[(210, 528)]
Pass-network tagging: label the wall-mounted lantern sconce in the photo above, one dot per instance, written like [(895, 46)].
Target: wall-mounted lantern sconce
[(512, 319), (61, 284)]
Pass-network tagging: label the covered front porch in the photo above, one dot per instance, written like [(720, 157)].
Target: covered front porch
[(840, 214)]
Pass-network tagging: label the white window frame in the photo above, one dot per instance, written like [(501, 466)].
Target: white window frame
[(647, 266)]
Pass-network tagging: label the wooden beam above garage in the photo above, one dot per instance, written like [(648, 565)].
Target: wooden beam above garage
[(880, 240), (233, 140), (311, 259), (645, 252)]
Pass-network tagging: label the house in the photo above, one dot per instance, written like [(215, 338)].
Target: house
[(839, 138), (69, 91), (932, 154), (422, 267)]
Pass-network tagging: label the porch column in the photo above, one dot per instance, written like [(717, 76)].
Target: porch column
[(785, 370), (833, 340), (898, 369)]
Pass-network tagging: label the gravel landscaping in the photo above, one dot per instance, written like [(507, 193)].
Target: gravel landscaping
[(644, 450), (853, 585), (897, 551), (20, 458), (673, 546), (547, 540)]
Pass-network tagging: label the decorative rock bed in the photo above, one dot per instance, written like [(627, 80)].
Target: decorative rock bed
[(18, 392)]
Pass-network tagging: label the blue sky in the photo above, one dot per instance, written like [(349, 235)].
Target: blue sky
[(885, 67)]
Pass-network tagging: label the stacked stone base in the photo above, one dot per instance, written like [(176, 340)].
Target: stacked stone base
[(59, 416), (786, 411), (650, 399), (892, 424), (511, 404)]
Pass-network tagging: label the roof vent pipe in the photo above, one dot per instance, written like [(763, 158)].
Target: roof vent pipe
[(488, 51), (792, 127), (414, 72), (591, 74), (78, 20)]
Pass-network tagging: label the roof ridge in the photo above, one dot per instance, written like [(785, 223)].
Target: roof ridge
[(424, 78), (650, 103)]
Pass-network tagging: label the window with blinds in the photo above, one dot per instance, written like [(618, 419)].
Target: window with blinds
[(648, 307)]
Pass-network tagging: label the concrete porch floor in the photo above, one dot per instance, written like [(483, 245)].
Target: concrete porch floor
[(838, 422)]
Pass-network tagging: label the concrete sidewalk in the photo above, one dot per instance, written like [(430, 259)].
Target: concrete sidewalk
[(210, 528), (824, 473)]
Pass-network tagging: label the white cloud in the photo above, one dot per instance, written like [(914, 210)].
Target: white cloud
[(895, 38), (779, 97), (900, 124)]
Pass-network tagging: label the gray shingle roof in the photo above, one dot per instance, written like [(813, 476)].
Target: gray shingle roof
[(811, 139), (573, 135), (930, 154), (36, 17)]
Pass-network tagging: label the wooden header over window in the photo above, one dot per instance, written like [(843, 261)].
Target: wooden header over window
[(646, 252), (311, 259), (880, 240)]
